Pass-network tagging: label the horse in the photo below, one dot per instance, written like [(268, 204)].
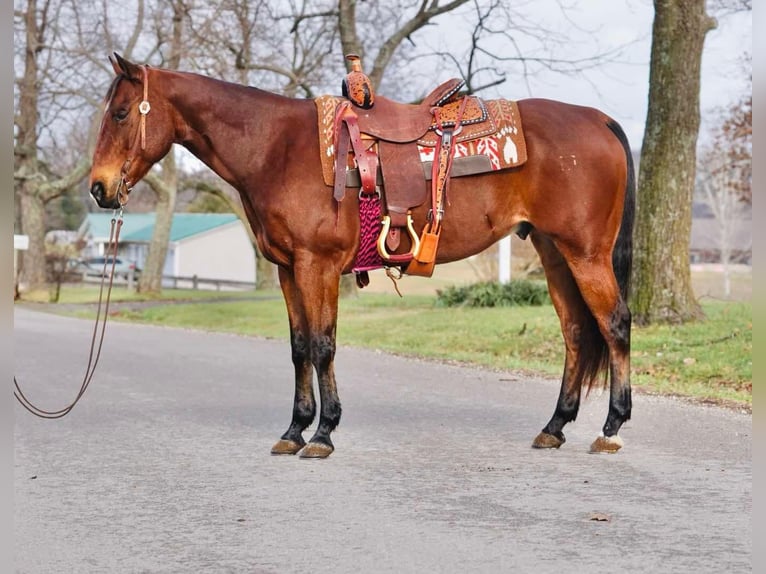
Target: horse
[(574, 198)]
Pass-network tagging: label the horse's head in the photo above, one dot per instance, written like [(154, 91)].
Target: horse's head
[(136, 132)]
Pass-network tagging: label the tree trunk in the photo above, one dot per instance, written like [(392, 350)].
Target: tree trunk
[(662, 278), (349, 39), (166, 188), (34, 186), (265, 272), (26, 167), (164, 185), (34, 274)]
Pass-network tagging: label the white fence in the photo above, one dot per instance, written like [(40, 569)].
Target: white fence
[(176, 282)]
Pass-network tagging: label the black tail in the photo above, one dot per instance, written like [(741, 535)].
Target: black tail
[(593, 362), (622, 256)]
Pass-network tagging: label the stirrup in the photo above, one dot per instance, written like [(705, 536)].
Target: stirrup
[(414, 239)]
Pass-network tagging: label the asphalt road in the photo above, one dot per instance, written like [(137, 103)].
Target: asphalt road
[(165, 467)]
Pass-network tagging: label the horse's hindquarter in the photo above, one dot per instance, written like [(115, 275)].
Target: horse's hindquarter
[(576, 170)]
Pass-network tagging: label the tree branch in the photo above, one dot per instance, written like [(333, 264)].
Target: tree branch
[(52, 189)]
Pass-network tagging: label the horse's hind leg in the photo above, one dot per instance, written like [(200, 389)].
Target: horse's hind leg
[(304, 404), (598, 285), (576, 321)]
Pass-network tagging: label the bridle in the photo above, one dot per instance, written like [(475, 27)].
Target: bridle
[(125, 187)]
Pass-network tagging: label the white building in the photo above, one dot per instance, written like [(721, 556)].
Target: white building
[(206, 245)]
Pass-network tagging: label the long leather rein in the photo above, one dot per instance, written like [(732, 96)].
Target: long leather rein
[(97, 339), (95, 348)]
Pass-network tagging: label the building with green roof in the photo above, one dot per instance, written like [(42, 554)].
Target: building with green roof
[(206, 245)]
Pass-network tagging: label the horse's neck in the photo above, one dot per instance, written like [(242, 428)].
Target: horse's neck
[(227, 126)]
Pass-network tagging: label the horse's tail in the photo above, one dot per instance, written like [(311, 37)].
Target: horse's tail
[(622, 256), (594, 352)]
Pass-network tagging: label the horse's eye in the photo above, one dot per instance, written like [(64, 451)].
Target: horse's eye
[(120, 114)]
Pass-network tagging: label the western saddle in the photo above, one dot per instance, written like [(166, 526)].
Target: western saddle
[(384, 137)]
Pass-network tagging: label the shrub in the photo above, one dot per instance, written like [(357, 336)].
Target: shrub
[(494, 294)]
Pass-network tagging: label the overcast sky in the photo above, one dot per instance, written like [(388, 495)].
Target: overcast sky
[(621, 89)]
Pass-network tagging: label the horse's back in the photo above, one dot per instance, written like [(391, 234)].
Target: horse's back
[(567, 140), (560, 123)]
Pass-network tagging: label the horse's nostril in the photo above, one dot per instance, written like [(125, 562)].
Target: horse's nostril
[(97, 191)]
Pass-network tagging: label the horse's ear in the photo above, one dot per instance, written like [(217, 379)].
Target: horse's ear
[(115, 65), (122, 66)]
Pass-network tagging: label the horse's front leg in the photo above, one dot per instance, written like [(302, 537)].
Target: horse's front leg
[(304, 404), (311, 293), (318, 283)]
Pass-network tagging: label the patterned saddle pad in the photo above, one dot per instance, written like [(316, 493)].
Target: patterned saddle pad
[(498, 143)]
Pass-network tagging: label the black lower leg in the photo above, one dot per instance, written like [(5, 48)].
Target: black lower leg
[(620, 403), (619, 410), (303, 415), (566, 410), (328, 421), (322, 355), (304, 404)]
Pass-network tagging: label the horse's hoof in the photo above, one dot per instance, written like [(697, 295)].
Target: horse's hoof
[(316, 450), (545, 440), (610, 444), (285, 446)]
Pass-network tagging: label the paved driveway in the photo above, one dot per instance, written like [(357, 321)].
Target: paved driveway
[(165, 467)]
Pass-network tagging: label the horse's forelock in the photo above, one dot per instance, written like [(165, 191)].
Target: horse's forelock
[(110, 92), (113, 89)]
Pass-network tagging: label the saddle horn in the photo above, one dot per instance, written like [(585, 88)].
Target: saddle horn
[(356, 86)]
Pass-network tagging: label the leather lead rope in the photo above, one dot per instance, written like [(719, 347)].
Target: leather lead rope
[(95, 351)]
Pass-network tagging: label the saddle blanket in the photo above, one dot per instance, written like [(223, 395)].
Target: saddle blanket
[(502, 147)]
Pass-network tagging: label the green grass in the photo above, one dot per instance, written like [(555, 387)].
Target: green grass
[(88, 293), (709, 360)]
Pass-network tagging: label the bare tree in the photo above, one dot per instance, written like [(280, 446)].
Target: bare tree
[(724, 7), (719, 183), (44, 99), (734, 137), (504, 42), (405, 23), (164, 182), (725, 173)]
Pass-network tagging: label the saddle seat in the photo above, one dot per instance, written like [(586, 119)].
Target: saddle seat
[(396, 122)]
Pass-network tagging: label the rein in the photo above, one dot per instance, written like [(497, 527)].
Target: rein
[(123, 190), (95, 350), (97, 339)]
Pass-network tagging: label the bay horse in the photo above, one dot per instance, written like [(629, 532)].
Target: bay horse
[(574, 198)]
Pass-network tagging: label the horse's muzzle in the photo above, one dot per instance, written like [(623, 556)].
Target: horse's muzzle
[(98, 192)]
